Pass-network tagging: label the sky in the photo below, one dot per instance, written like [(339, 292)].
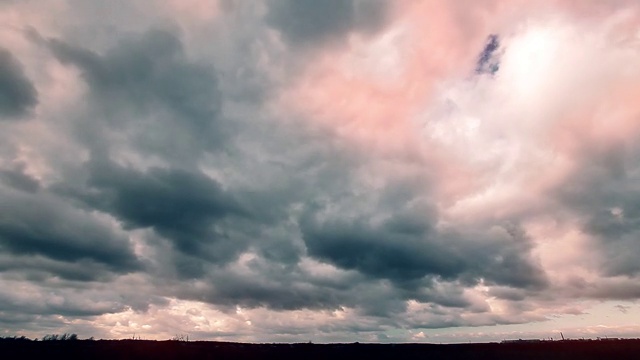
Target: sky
[(327, 171)]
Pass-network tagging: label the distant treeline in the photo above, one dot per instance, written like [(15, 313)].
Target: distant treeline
[(48, 337)]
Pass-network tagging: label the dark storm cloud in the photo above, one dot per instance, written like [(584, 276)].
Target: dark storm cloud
[(304, 22), (504, 258), (146, 86), (39, 268), (73, 307), (604, 193), (180, 205), (145, 69), (251, 292), (403, 248), (380, 251), (18, 96), (32, 225)]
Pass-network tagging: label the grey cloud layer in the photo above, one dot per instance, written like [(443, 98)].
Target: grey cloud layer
[(18, 96), (16, 178), (605, 195), (147, 89), (179, 205), (44, 226), (406, 251)]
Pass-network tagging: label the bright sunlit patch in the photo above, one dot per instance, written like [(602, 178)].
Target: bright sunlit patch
[(617, 212), (529, 58)]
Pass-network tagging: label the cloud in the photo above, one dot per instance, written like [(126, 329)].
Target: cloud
[(18, 95), (303, 23), (18, 179), (145, 85), (603, 194), (43, 226), (185, 207), (341, 171), (405, 249)]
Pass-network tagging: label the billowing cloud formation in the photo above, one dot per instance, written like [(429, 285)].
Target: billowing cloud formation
[(148, 77), (327, 170)]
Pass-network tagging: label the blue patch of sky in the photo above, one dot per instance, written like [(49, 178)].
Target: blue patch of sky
[(488, 61)]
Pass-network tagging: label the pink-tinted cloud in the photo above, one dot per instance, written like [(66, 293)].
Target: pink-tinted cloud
[(496, 147)]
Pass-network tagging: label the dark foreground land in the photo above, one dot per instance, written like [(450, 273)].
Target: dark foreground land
[(142, 349)]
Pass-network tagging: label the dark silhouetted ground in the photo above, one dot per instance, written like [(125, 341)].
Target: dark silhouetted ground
[(143, 349)]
